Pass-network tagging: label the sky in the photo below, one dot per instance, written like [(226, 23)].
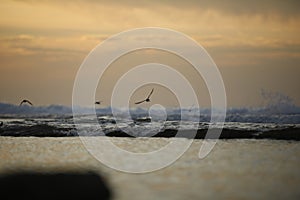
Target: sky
[(255, 44)]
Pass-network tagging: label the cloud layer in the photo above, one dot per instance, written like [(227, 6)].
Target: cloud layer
[(43, 42)]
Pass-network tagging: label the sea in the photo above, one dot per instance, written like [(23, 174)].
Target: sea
[(58, 121), (256, 157)]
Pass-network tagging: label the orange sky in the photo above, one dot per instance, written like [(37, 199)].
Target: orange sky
[(255, 44)]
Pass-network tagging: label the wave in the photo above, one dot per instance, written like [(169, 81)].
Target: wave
[(7, 109), (44, 130), (284, 115)]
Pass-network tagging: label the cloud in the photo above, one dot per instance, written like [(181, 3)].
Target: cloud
[(109, 17), (254, 7), (37, 45), (286, 8), (94, 37), (229, 27)]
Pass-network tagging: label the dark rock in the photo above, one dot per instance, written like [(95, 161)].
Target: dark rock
[(58, 186)]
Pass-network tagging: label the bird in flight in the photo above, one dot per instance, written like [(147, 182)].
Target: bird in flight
[(26, 101), (147, 99), (98, 102)]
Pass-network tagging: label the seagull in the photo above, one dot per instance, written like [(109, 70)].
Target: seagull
[(26, 101), (98, 102), (147, 99)]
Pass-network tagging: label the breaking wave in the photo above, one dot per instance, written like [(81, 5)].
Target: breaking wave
[(284, 113)]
